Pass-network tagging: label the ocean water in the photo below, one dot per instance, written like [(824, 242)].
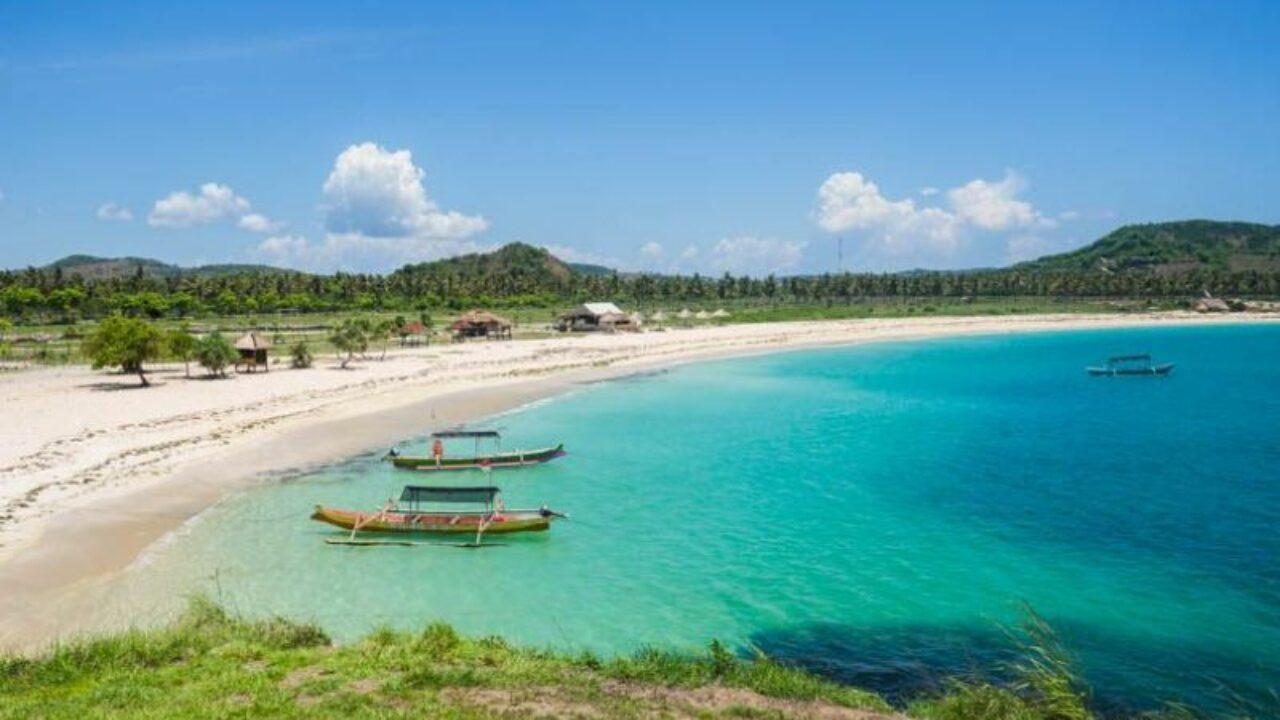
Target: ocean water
[(880, 514)]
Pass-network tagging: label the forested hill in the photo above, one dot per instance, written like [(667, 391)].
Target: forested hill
[(91, 267), (1172, 248)]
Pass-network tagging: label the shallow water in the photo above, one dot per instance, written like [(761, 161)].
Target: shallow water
[(876, 513)]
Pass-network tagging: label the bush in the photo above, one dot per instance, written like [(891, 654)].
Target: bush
[(300, 355), (215, 353)]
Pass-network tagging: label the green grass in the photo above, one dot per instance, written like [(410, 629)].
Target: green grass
[(209, 664)]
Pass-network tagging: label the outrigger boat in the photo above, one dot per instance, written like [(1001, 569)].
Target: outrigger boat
[(410, 516), (439, 461), (1130, 365)]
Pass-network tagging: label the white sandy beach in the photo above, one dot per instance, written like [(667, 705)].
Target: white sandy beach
[(94, 469)]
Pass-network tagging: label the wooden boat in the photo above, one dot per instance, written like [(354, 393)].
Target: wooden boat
[(410, 516), (1130, 365), (438, 460)]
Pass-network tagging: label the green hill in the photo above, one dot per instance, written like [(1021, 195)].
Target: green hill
[(91, 267), (1173, 247), (522, 264)]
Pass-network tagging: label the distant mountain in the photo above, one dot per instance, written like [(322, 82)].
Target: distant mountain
[(521, 263), (1173, 247), (91, 267)]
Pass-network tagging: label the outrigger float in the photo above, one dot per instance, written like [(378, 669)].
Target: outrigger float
[(1130, 365), (409, 516), (498, 459)]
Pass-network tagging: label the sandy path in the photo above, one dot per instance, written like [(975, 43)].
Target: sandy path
[(113, 467)]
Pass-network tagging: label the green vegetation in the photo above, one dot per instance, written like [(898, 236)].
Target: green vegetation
[(125, 343), (300, 355), (215, 353), (1175, 247), (1167, 262), (182, 346), (351, 336), (210, 664)]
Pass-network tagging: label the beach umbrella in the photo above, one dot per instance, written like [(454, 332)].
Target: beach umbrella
[(703, 315), (684, 314), (721, 313), (658, 316)]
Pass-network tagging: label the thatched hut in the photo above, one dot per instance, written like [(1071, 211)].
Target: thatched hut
[(481, 323), (253, 348), (412, 333), (596, 316)]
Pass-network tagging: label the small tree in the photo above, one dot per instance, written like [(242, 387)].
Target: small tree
[(383, 329), (301, 355), (126, 343), (350, 337), (215, 353), (182, 345)]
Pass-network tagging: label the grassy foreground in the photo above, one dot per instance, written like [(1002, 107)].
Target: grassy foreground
[(209, 664)]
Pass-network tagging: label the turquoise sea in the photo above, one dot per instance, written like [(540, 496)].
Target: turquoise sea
[(876, 513)]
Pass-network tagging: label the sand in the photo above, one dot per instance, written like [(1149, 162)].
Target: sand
[(94, 469)]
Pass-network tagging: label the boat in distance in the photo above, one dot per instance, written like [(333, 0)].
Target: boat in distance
[(438, 460), (1130, 365), (409, 516)]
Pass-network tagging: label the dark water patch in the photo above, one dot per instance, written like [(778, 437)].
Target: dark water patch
[(1123, 675)]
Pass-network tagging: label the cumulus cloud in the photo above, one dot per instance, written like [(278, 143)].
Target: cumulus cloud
[(849, 201), (749, 255), (993, 205), (901, 232), (213, 202), (358, 253), (377, 193), (114, 213), (255, 222), (928, 191)]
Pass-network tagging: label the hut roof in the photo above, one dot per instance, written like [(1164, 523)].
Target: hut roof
[(413, 327), (252, 341), (481, 317)]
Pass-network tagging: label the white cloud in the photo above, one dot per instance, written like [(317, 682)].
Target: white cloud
[(377, 193), (902, 233), (212, 203), (848, 201), (748, 255), (255, 222), (113, 212), (651, 252), (1069, 215), (993, 205), (928, 191)]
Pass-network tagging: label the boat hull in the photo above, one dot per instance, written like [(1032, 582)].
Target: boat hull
[(1156, 370), (465, 523), (499, 460)]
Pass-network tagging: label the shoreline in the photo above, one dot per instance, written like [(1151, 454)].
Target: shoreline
[(82, 533)]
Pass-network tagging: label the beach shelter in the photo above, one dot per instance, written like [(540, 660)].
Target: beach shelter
[(720, 313), (703, 315), (684, 314), (481, 323), (253, 348), (596, 316), (412, 332), (658, 317)]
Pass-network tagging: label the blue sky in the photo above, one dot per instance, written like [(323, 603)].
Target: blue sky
[(670, 136)]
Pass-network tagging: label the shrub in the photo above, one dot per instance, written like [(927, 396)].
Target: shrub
[(300, 355), (215, 353)]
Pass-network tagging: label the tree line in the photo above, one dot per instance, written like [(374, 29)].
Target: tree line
[(55, 297)]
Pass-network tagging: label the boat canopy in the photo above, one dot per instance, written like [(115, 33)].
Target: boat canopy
[(465, 434), (1129, 358), (421, 494)]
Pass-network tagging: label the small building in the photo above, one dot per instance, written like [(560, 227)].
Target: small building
[(603, 316), (1209, 303), (253, 348), (481, 323), (412, 333)]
